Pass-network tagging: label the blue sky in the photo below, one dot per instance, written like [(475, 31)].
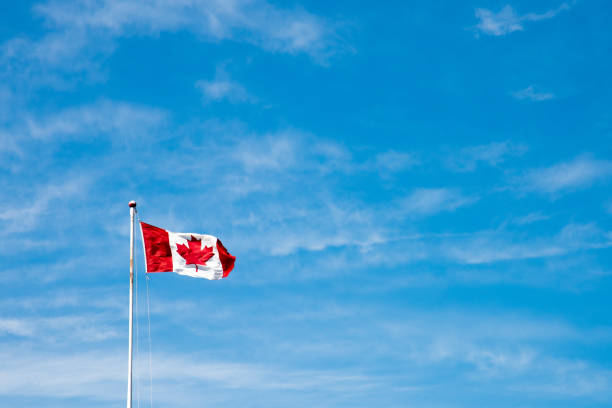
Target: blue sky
[(418, 195)]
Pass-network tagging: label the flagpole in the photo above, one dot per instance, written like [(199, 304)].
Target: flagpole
[(132, 205)]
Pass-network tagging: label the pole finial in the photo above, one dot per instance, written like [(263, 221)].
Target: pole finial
[(132, 204)]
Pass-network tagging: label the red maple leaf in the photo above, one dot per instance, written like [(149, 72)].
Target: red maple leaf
[(195, 254)]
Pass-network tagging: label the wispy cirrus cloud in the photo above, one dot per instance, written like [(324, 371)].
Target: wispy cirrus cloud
[(530, 218), (332, 223), (491, 246), (222, 87), (91, 374), (23, 210), (258, 22), (287, 151), (531, 94), (82, 33), (566, 258), (117, 123), (427, 201), (121, 120), (507, 20), (395, 161), (503, 348), (581, 172), (60, 329), (495, 153)]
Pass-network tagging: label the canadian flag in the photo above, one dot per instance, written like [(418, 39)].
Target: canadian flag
[(197, 255)]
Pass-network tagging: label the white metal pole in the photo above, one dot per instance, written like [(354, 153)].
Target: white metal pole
[(132, 205)]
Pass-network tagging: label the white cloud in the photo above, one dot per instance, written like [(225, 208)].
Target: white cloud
[(82, 32), (564, 258), (276, 151), (289, 150), (309, 224), (223, 87), (573, 272), (530, 218), (258, 22), (316, 221), (17, 327), (120, 120), (36, 373), (531, 94), (507, 21), (394, 161), (511, 351), (427, 201), (498, 347), (106, 298), (501, 23), (70, 329), (579, 173), (22, 214), (491, 246), (493, 154), (57, 59), (98, 376), (492, 346), (121, 126)]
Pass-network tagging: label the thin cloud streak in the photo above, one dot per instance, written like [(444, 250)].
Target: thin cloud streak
[(530, 93), (395, 161), (82, 34), (503, 348), (18, 216), (97, 375), (428, 201), (489, 247), (259, 22), (121, 120), (581, 172), (507, 20), (530, 218), (494, 154), (223, 87)]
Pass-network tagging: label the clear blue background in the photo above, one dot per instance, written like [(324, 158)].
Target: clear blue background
[(418, 195)]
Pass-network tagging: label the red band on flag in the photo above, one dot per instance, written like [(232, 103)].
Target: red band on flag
[(227, 259), (157, 248)]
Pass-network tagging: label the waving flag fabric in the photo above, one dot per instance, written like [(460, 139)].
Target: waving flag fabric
[(197, 255)]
